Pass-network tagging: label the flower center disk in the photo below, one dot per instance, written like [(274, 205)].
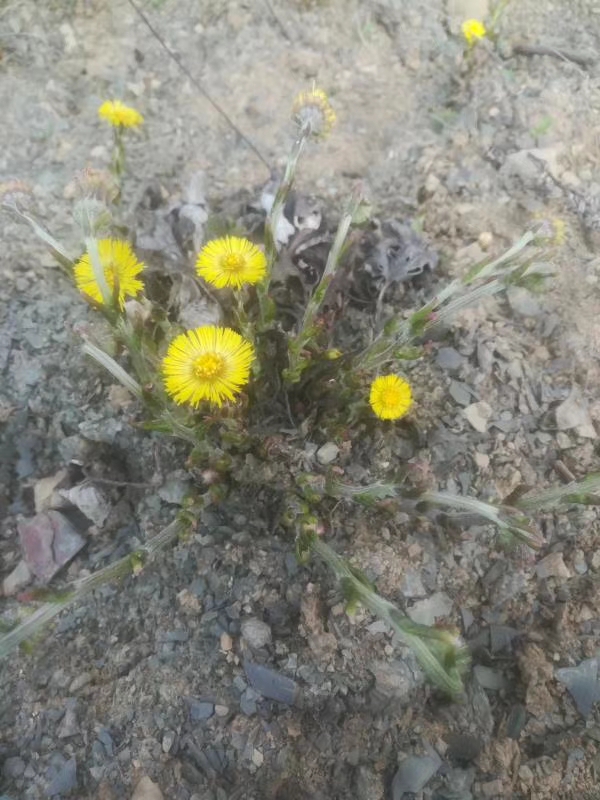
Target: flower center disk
[(233, 262), (208, 366)]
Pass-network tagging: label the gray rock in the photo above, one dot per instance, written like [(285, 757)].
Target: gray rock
[(14, 767), (552, 566), (49, 541), (478, 414), (271, 684), (574, 413), (69, 725), (489, 678), (18, 578), (168, 741), (328, 453), (411, 584), (175, 488), (65, 779), (146, 789), (582, 683), (414, 773), (523, 302), (90, 501), (427, 611), (200, 710), (248, 702), (256, 633), (449, 359), (460, 393), (395, 679)]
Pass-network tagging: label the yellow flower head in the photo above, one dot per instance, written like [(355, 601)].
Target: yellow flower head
[(313, 112), (121, 269), (231, 262), (472, 30), (390, 397), (120, 115), (207, 363)]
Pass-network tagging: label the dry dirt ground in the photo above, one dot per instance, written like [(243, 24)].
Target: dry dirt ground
[(147, 678)]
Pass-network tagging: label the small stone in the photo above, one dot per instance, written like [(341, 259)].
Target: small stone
[(221, 711), (478, 415), (485, 240), (65, 779), (14, 767), (523, 302), (579, 562), (256, 633), (414, 773), (427, 611), (69, 726), (257, 757), (489, 678), (200, 711), (493, 789), (551, 566), (44, 489), (168, 741), (175, 488), (526, 774), (271, 684), (482, 460), (90, 501), (582, 683), (574, 413), (411, 584), (248, 702), (449, 359), (328, 453), (563, 440), (18, 578), (596, 560), (146, 789), (226, 642), (49, 541), (460, 393), (80, 681)]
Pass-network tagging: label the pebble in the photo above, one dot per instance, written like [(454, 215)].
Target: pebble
[(411, 584), (427, 611), (460, 393), (14, 767), (489, 678), (478, 415), (49, 541), (449, 359), (221, 711), (168, 741), (146, 789), (18, 578), (69, 726), (271, 684), (256, 633), (65, 780), (248, 702), (579, 562), (226, 642), (414, 773), (200, 710), (523, 302), (90, 501), (552, 566), (80, 681), (328, 453), (257, 758)]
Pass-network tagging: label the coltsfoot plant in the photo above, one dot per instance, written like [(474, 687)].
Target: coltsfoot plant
[(242, 393)]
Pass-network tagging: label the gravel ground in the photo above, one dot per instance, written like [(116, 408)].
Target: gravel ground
[(225, 670)]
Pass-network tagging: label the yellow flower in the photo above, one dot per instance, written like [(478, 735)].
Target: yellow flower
[(313, 112), (472, 30), (120, 115), (390, 397), (232, 262), (207, 363), (120, 266)]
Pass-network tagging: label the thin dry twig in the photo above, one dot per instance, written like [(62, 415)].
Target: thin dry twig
[(524, 49)]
